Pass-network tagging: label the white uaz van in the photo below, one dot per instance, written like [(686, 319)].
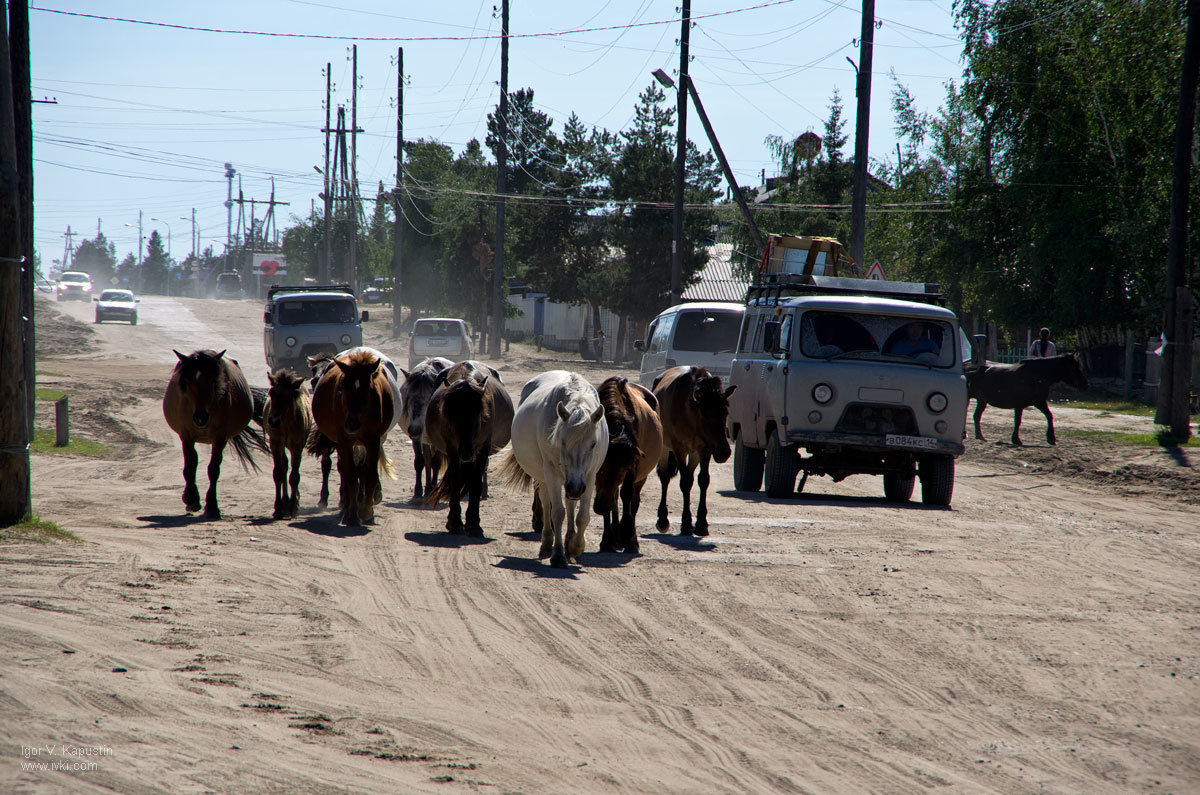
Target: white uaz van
[(700, 334)]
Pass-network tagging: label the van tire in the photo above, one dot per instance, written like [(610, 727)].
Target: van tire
[(897, 487), (780, 468), (747, 467), (937, 480)]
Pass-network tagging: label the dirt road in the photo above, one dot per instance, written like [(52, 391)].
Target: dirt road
[(1043, 634)]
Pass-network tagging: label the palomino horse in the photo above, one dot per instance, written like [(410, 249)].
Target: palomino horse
[(559, 441), (469, 417), (288, 420), (415, 392), (355, 404), (208, 401), (1027, 383), (635, 441), (693, 409)]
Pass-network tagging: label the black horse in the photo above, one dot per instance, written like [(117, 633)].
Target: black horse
[(1027, 383)]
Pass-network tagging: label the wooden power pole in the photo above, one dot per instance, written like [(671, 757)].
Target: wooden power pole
[(497, 327), (862, 130), (398, 204)]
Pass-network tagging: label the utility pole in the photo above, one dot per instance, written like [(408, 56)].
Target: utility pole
[(497, 327), (352, 266), (325, 268), (229, 172), (680, 155), (68, 250), (862, 127), (398, 194), (1173, 409), (15, 501), (18, 14)]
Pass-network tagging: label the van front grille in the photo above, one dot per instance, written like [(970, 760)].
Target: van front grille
[(877, 418)]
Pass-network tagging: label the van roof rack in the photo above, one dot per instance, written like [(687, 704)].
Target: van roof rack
[(772, 288), (308, 288)]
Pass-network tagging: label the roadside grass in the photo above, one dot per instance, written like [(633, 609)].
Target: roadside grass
[(46, 393), (1162, 438), (33, 529), (1100, 401), (44, 439)]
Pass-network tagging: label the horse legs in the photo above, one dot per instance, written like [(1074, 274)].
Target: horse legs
[(702, 505), (476, 483), (293, 506), (454, 477), (552, 532), (372, 489), (612, 528), (665, 473), (279, 472), (191, 494), (1016, 437), (326, 466), (686, 477), (211, 510), (631, 497), (1045, 409), (545, 522), (539, 521), (979, 407), (576, 523), (349, 490), (419, 469)]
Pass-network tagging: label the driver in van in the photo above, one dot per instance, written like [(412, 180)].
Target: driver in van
[(914, 341)]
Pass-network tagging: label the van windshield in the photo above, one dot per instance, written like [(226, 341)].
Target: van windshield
[(825, 335), (298, 313), (707, 331)]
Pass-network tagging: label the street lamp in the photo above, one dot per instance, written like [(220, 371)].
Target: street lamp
[(680, 152), (195, 243), (170, 236)]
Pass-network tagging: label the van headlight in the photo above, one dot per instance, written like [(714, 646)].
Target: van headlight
[(822, 393), (937, 402), (290, 342), (345, 339)]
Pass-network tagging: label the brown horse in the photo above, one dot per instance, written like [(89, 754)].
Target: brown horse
[(1016, 386), (693, 409), (208, 401), (469, 418), (355, 405), (288, 421), (415, 392), (635, 440)]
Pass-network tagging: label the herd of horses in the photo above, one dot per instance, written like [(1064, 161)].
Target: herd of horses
[(579, 448)]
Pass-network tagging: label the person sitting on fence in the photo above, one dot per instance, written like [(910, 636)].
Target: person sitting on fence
[(598, 342), (1042, 347)]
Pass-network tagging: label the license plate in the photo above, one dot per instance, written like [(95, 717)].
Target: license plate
[(911, 442), (438, 343)]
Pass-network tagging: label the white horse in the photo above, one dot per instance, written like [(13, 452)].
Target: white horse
[(559, 440)]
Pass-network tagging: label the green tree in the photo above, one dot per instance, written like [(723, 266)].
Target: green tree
[(96, 257), (154, 266)]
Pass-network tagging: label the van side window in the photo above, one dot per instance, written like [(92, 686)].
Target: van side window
[(755, 341), (662, 334)]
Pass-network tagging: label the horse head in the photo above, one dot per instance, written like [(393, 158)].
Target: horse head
[(284, 394), (711, 407), (465, 406), (202, 380), (621, 458), (580, 437), (1072, 372), (359, 394)]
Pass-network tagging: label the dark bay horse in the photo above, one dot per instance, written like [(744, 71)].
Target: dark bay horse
[(1016, 386), (415, 391), (635, 440), (354, 405), (208, 401), (469, 417), (288, 420), (693, 408)]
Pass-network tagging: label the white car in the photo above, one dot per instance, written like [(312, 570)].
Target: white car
[(439, 336), (117, 305), (75, 285)]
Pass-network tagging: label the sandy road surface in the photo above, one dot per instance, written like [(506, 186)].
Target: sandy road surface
[(1043, 634)]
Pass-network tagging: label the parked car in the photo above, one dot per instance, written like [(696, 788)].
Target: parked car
[(378, 292), (698, 334), (229, 285), (74, 286), (439, 336), (117, 305)]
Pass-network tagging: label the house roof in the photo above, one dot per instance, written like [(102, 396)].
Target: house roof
[(717, 282)]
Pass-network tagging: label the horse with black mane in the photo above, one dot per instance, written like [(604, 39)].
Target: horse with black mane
[(208, 401), (1017, 386), (635, 440), (288, 421), (415, 391)]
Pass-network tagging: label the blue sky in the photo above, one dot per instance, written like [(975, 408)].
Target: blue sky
[(147, 114)]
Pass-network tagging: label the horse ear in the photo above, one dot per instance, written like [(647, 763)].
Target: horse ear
[(345, 368), (222, 353), (496, 373), (403, 372), (442, 378), (562, 412), (729, 391), (597, 415), (182, 358)]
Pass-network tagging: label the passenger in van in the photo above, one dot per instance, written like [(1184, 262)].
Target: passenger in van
[(913, 342)]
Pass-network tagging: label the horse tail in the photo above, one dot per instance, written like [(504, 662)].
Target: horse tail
[(512, 474), (259, 396), (245, 443), (319, 444), (442, 491), (385, 464)]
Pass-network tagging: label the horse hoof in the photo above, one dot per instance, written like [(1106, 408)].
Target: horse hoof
[(558, 560), (632, 549), (609, 548), (475, 532), (662, 524), (453, 529), (701, 530), (212, 513), (543, 553), (686, 530), (278, 515)]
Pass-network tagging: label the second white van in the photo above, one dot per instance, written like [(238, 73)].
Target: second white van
[(700, 333)]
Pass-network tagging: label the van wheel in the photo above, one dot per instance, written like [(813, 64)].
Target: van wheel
[(780, 465), (897, 487), (937, 480), (747, 467)]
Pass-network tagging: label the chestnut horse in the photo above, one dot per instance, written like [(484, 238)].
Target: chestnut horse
[(1016, 386), (208, 401), (415, 392), (559, 441), (355, 404), (288, 420), (635, 440), (693, 409), (469, 417)]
